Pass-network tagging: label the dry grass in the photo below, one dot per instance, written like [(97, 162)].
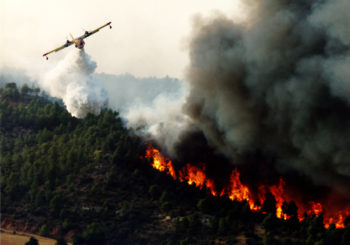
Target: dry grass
[(8, 238)]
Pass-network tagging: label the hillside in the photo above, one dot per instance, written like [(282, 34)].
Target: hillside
[(87, 180)]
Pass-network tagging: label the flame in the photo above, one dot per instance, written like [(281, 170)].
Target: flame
[(316, 209), (278, 193), (159, 162), (190, 174), (338, 220), (196, 175), (237, 191)]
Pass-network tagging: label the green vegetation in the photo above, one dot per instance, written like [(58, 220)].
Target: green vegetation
[(86, 180), (32, 241)]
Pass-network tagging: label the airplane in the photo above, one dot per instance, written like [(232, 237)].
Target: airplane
[(79, 42)]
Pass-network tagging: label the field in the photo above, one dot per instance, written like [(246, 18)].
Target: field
[(8, 238)]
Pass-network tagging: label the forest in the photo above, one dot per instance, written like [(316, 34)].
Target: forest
[(86, 181)]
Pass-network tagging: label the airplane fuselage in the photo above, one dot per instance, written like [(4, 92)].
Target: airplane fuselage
[(79, 43)]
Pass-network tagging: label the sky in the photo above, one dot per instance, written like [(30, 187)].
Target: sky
[(149, 37)]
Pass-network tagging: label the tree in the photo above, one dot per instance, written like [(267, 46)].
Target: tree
[(316, 225), (269, 239), (332, 235), (25, 89), (93, 234), (165, 196), (204, 205), (165, 206), (347, 220), (78, 240), (32, 241), (11, 85), (181, 225), (61, 241), (55, 205), (222, 226), (346, 236), (154, 191), (194, 222), (39, 198), (269, 222), (290, 209), (66, 225), (269, 205), (11, 91), (321, 242), (44, 231)]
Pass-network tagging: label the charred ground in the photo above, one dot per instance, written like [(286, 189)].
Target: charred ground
[(85, 180)]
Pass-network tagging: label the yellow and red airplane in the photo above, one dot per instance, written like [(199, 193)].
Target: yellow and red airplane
[(79, 42)]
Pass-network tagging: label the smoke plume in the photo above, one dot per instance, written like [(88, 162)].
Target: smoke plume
[(277, 87), (20, 77), (162, 120), (271, 94), (73, 81)]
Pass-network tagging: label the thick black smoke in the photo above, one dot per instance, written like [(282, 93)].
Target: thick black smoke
[(275, 89)]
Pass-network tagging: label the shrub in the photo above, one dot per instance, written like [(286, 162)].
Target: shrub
[(269, 222), (154, 191), (165, 206), (61, 241), (44, 231), (269, 239), (93, 234), (32, 241), (204, 205)]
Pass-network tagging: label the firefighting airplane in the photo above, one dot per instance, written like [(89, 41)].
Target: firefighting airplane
[(79, 42)]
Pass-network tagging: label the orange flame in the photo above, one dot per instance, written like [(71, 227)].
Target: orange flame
[(236, 190), (316, 209), (159, 162), (195, 175), (190, 174), (278, 193), (338, 220)]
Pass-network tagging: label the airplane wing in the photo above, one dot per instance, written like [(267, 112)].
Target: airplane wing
[(67, 44), (89, 33)]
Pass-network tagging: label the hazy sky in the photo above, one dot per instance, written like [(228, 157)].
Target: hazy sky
[(148, 36)]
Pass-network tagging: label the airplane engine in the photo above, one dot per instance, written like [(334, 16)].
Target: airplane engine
[(78, 42)]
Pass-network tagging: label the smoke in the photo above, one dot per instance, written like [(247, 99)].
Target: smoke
[(73, 81), (150, 106), (161, 119), (128, 91), (20, 77), (270, 94), (277, 87)]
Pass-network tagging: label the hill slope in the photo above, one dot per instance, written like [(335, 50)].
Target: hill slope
[(86, 180)]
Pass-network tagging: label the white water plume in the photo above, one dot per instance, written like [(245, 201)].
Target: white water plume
[(73, 81)]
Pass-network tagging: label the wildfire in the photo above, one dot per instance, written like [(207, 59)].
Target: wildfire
[(190, 174), (316, 209), (236, 190), (278, 193), (338, 220), (159, 162)]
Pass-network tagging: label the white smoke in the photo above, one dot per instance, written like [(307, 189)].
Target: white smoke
[(161, 120), (73, 81)]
